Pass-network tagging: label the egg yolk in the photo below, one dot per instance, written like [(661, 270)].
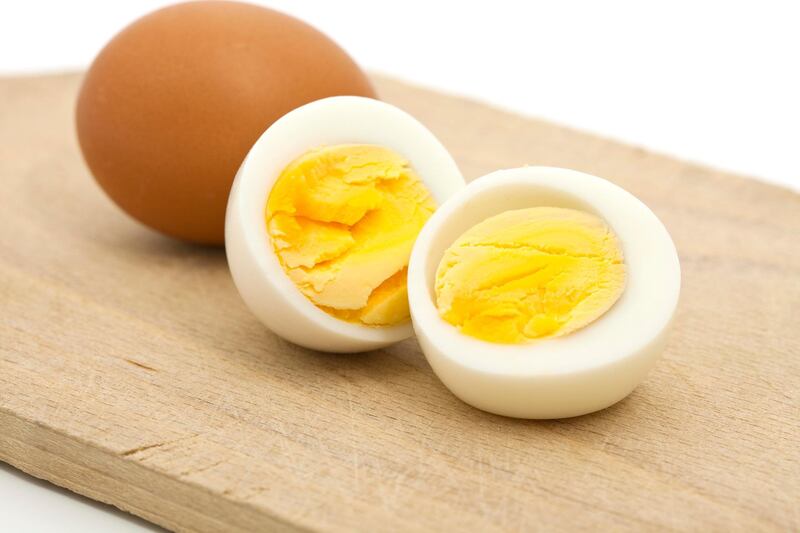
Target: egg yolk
[(342, 220), (530, 274)]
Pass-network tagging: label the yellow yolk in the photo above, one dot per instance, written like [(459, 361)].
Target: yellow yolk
[(530, 274), (342, 220)]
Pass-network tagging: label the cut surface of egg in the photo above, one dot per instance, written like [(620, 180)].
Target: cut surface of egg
[(322, 218), (529, 274), (342, 220), (541, 292)]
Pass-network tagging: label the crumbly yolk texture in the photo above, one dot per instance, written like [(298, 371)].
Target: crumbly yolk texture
[(530, 274), (342, 220)]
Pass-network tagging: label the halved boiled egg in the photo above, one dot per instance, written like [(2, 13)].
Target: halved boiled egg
[(541, 292), (323, 215)]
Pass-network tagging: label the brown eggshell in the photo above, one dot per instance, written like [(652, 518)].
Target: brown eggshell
[(171, 106)]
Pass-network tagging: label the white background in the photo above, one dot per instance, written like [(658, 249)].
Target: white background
[(712, 82)]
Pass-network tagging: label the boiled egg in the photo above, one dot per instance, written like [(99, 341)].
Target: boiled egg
[(172, 104), (542, 292), (322, 217)]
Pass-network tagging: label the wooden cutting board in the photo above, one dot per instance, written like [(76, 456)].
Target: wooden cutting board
[(131, 372)]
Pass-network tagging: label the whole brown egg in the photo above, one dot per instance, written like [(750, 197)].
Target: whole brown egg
[(172, 104)]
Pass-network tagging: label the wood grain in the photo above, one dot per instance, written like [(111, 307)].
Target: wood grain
[(131, 372)]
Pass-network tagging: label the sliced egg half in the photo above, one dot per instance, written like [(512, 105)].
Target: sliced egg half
[(583, 370), (322, 216)]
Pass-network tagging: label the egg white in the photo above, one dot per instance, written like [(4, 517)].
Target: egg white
[(257, 273), (578, 373)]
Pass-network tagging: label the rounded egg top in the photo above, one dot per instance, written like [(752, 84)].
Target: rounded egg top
[(171, 105)]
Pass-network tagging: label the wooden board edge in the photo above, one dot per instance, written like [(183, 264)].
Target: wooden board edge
[(83, 468)]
